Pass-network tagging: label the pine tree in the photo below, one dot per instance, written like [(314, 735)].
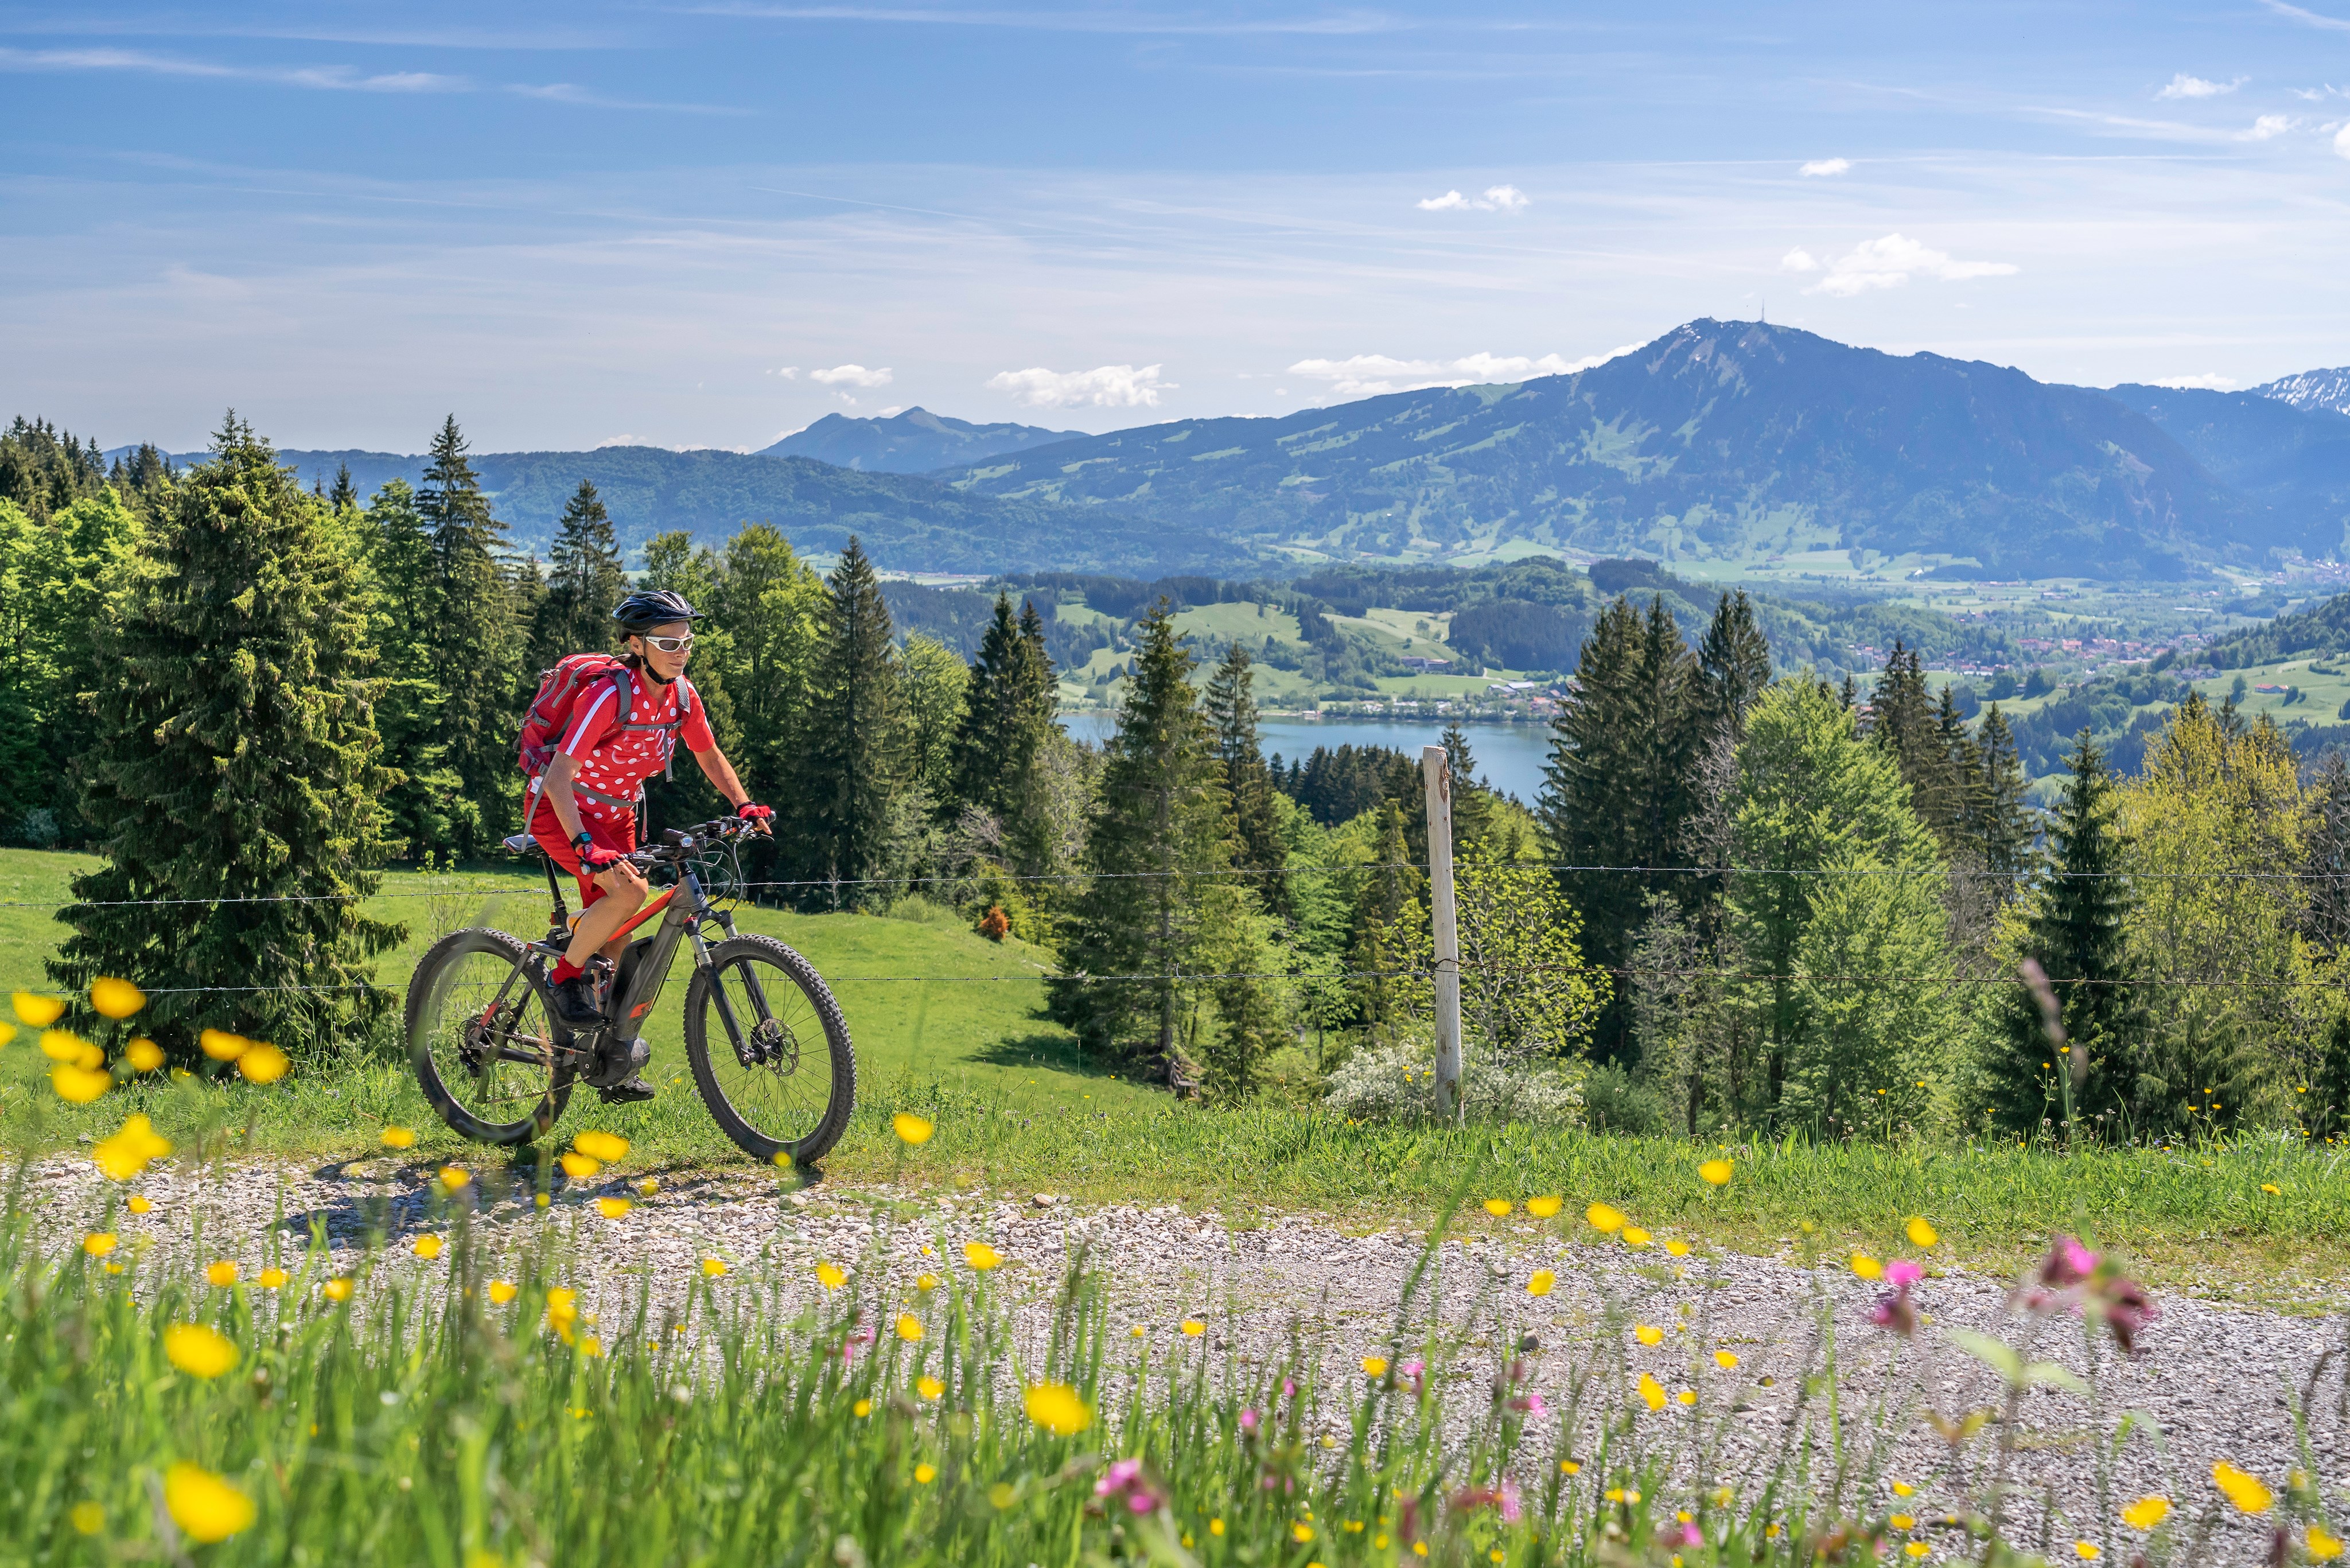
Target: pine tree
[(430, 812), (1901, 719), (235, 773), (997, 752), (344, 496), (475, 653), (584, 580), (1158, 828), (2073, 931), (853, 772), (2003, 839), (1230, 706), (1733, 661)]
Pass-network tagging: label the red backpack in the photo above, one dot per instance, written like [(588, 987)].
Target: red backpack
[(559, 693)]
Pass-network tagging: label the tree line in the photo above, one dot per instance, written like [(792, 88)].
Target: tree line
[(1745, 898)]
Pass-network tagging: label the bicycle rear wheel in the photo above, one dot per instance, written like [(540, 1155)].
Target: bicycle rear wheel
[(776, 1071), (485, 1050)]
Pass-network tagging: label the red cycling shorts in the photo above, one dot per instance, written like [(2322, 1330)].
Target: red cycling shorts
[(617, 832)]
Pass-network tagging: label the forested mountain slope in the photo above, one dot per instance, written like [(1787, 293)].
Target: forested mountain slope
[(2292, 459), (912, 443)]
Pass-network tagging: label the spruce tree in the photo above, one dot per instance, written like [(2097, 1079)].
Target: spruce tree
[(1473, 803), (2003, 839), (430, 812), (852, 774), (1158, 828), (1229, 707), (1392, 886), (1733, 661), (2073, 931), (235, 773), (997, 753), (344, 496), (585, 579), (1901, 719), (475, 652)]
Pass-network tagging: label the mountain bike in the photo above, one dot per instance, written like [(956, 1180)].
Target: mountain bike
[(776, 1071)]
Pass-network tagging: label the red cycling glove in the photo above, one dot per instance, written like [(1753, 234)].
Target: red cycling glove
[(595, 859), (750, 813)]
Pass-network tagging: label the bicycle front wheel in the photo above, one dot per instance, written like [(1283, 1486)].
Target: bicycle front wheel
[(484, 1049), (770, 1050)]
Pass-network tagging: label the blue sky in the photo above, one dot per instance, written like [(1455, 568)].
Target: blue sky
[(706, 224)]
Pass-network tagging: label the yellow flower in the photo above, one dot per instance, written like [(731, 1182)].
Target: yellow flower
[(1056, 1408), (1725, 1360), (64, 1046), (2147, 1512), (1902, 1522), (1867, 1267), (2242, 1487), (980, 1256), (337, 1290), (203, 1505), (116, 999), (89, 1518), (929, 1387), (274, 1278), (609, 1147), (502, 1292), (1499, 1207), (79, 1085), (1193, 1328), (578, 1167), (648, 1188), (1677, 1247), (399, 1138), (862, 1408), (591, 1347), (98, 1243), (222, 1272), (222, 1046), (1541, 1283), (1652, 1391), (1605, 1218), (909, 1327), (926, 1282), (829, 1275), (1570, 1467), (1918, 1549), (143, 1054), (1301, 1533), (2270, 1187), (426, 1247), (129, 1150), (454, 1176), (2322, 1547), (1687, 1395), (611, 1208), (1921, 1234), (912, 1128), (562, 1311), (1903, 1489), (39, 1011), (1635, 1237), (2086, 1551), (198, 1351), (1545, 1205), (1647, 1334), (1716, 1171), (540, 1200), (1215, 1527), (1375, 1366), (7, 1032), (924, 1475), (1137, 1331), (262, 1063), (712, 1268), (1002, 1495)]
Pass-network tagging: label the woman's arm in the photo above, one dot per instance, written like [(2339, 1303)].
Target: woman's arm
[(721, 773), (557, 783)]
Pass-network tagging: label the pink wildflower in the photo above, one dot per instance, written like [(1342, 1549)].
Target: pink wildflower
[(1902, 1271), (2068, 1263)]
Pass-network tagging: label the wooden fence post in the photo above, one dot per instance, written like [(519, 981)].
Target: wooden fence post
[(1436, 771)]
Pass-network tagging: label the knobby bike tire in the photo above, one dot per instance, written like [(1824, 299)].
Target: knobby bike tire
[(813, 1004), (439, 969)]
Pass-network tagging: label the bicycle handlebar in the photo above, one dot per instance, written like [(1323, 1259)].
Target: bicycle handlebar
[(684, 843)]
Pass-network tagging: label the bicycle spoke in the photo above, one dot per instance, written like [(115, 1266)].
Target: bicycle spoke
[(770, 1057), (489, 1040)]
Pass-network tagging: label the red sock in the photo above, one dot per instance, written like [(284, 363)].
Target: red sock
[(565, 970)]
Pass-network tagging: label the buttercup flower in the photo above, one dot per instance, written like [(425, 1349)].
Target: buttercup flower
[(426, 1247), (831, 1275), (1647, 1334), (909, 1327), (116, 999), (1193, 1328), (1544, 1207), (77, 1085), (1605, 1218), (503, 1292), (399, 1138), (98, 1243), (980, 1256), (609, 1147), (337, 1290), (712, 1268), (39, 1011), (1867, 1267), (612, 1208), (262, 1063), (1921, 1234), (1541, 1283), (198, 1351), (130, 1151), (143, 1054), (222, 1046), (1652, 1391), (912, 1128), (222, 1272), (929, 1387), (576, 1165), (1375, 1366), (2242, 1488), (1056, 1408), (1725, 1360), (1716, 1171), (274, 1279), (1499, 1207), (203, 1505)]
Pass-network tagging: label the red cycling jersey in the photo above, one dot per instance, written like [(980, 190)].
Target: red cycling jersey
[(615, 759)]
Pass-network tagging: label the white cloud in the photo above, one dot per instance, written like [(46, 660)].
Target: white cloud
[(1890, 262), (2269, 125), (1798, 260), (2184, 86), (789, 373), (893, 410), (2206, 382), (1820, 166), (850, 375), (2342, 141), (1374, 374), (340, 79), (2333, 24), (1496, 199), (1105, 387)]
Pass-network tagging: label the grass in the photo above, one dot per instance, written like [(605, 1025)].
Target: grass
[(1018, 1109)]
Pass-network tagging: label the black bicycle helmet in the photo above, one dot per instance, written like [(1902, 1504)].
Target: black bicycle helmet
[(640, 612)]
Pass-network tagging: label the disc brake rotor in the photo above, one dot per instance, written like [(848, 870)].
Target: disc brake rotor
[(772, 1046)]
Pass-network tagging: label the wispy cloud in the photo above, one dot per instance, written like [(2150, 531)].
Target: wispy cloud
[(1374, 374), (588, 98), (851, 375), (1888, 263), (2342, 141), (2265, 127), (2207, 382), (341, 78), (2184, 86), (1819, 167), (2311, 18), (1106, 387), (1080, 20), (1496, 199)]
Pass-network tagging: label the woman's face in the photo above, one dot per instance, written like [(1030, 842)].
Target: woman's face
[(665, 666)]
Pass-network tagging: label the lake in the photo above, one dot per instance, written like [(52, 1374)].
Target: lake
[(1510, 755)]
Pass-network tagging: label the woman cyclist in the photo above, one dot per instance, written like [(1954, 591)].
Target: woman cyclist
[(623, 730)]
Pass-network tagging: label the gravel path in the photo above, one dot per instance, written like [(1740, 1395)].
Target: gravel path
[(2218, 1381)]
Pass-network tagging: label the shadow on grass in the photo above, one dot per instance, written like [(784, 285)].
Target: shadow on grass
[(1053, 1053)]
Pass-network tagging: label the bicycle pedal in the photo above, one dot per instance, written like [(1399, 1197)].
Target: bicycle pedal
[(618, 1063)]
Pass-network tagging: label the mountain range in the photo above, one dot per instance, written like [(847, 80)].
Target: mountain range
[(915, 442), (1727, 440)]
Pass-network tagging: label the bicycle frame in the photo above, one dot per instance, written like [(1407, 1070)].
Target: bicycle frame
[(682, 920)]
